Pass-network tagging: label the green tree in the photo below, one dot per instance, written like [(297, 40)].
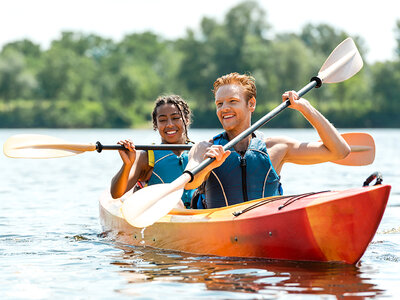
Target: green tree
[(397, 38), (386, 86), (16, 81), (221, 48), (323, 38), (66, 75), (85, 80), (90, 45), (24, 47)]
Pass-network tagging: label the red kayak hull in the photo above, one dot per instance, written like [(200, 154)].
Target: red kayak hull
[(327, 227)]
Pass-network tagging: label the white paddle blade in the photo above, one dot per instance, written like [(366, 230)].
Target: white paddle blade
[(41, 146), (149, 204), (362, 149), (344, 62), (140, 213)]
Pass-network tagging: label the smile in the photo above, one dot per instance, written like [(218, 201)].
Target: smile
[(228, 116), (171, 132)]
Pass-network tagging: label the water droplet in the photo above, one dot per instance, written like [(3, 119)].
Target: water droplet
[(142, 232)]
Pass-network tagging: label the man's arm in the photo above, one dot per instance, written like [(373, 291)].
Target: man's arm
[(331, 147)]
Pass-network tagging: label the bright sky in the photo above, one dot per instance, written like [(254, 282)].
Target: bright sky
[(42, 20)]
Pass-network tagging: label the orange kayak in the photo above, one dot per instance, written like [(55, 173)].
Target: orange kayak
[(332, 226)]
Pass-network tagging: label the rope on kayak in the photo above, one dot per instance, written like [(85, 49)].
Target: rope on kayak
[(263, 202), (298, 197), (291, 199)]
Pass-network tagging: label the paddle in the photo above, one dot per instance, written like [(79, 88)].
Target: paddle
[(43, 146), (362, 147), (147, 205)]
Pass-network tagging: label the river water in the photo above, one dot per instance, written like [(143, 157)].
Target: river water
[(52, 246)]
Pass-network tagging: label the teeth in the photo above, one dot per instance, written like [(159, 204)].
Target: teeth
[(171, 132), (227, 116)]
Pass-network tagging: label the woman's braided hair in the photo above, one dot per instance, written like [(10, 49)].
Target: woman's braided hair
[(182, 107)]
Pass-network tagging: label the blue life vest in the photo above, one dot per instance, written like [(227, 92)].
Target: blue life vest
[(224, 185), (167, 166)]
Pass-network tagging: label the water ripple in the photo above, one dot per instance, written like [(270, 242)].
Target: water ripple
[(52, 246)]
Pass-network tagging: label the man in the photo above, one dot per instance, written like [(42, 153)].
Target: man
[(252, 170)]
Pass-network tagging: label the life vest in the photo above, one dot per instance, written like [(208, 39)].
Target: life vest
[(167, 166), (241, 179)]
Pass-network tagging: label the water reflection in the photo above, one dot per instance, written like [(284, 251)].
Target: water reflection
[(258, 277), (49, 246)]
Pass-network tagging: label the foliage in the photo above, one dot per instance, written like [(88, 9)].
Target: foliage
[(85, 80)]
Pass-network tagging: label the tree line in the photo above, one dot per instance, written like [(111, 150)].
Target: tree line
[(85, 80)]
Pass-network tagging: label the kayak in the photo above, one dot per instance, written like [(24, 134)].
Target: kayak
[(328, 226)]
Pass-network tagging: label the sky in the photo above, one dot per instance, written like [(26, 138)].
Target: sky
[(42, 21)]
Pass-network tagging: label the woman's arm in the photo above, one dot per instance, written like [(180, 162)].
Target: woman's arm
[(135, 163)]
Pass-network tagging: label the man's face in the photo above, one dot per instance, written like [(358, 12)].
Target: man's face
[(233, 110)]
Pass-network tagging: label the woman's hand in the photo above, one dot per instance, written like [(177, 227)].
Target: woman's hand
[(128, 157)]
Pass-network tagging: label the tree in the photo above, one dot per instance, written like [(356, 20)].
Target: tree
[(397, 38), (89, 45), (15, 80), (24, 47), (323, 38), (67, 76), (221, 48)]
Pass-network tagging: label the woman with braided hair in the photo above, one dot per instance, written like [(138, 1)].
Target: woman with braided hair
[(171, 118)]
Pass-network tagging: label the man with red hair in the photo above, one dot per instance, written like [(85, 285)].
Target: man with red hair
[(251, 169)]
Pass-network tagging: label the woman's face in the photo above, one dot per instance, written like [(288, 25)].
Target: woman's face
[(170, 124)]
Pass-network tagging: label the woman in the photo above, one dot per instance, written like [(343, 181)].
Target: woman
[(171, 117)]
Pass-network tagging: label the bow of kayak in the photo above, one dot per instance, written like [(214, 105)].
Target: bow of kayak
[(328, 226)]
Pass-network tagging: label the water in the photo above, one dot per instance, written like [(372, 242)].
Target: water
[(51, 244)]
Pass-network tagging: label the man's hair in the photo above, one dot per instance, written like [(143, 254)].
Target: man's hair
[(180, 104), (246, 81)]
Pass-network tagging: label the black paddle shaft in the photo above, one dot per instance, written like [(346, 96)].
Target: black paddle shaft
[(315, 82), (100, 147)]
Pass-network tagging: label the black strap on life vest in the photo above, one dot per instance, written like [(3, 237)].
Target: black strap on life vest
[(243, 165)]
